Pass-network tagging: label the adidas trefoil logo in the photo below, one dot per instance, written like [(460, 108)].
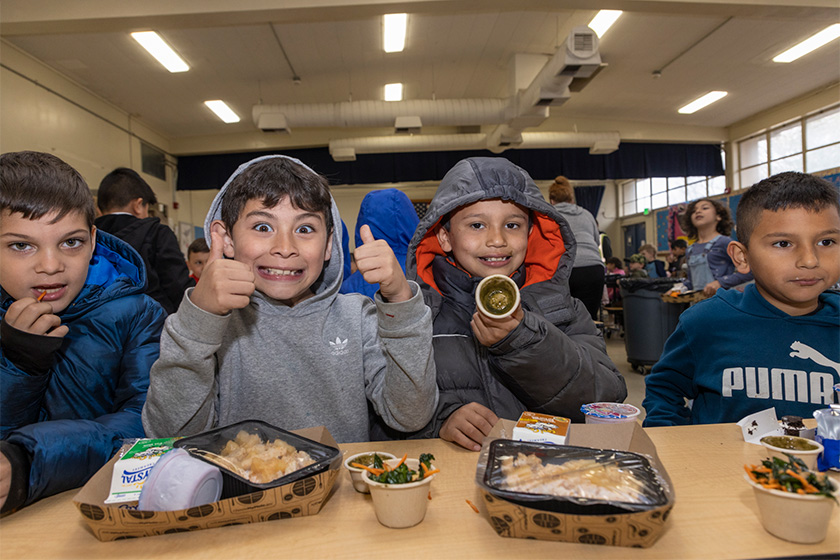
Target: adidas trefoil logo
[(338, 347)]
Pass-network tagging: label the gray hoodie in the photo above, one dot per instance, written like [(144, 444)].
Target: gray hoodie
[(319, 362), (587, 236)]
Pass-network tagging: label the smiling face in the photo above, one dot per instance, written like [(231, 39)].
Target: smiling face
[(285, 246), (487, 237), (41, 257), (794, 255)]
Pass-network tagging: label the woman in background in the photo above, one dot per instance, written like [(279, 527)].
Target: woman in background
[(586, 282)]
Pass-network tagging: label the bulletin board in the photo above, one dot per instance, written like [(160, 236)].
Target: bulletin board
[(662, 230)]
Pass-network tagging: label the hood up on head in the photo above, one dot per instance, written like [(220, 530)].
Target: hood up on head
[(551, 244), (330, 280)]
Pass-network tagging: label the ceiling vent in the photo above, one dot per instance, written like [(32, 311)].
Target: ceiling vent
[(407, 125), (273, 122)]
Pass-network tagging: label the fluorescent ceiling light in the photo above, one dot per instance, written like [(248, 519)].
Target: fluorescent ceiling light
[(222, 110), (603, 20), (810, 44), (393, 32), (393, 92), (701, 102), (158, 48)]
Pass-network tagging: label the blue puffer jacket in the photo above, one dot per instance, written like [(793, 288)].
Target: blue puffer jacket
[(73, 419), (392, 217)]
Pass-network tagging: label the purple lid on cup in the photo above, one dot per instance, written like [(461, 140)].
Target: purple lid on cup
[(610, 410)]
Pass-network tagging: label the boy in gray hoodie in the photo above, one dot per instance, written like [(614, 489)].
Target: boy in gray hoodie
[(266, 335)]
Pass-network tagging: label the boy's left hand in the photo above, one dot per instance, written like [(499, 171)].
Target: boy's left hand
[(489, 331), (376, 261)]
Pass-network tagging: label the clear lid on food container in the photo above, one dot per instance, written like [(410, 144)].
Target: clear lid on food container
[(610, 410), (208, 447), (570, 479)]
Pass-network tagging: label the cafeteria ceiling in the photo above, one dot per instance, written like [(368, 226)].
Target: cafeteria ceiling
[(455, 50)]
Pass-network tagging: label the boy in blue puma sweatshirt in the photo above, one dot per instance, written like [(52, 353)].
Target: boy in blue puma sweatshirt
[(776, 344)]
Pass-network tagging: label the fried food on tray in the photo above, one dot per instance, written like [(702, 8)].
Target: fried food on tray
[(262, 462)]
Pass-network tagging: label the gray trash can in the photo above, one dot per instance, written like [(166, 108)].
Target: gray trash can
[(648, 321)]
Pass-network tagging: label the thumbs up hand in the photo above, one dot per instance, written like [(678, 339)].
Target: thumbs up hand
[(225, 284), (376, 261)]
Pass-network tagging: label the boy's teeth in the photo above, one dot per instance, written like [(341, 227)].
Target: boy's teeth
[(495, 259), (279, 272), (49, 290)]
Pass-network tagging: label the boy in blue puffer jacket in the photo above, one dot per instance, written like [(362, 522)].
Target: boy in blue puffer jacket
[(77, 337)]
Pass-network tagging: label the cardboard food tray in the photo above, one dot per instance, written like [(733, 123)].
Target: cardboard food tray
[(296, 499), (638, 529)]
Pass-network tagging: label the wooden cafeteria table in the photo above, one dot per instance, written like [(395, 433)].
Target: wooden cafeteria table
[(714, 517)]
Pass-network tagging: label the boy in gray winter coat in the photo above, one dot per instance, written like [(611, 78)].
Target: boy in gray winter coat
[(488, 217), (265, 335)]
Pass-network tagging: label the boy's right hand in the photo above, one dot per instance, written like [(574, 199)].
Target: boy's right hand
[(225, 284), (35, 317), (469, 425)]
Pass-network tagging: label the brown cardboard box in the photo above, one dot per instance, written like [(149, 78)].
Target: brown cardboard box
[(640, 529), (297, 499)]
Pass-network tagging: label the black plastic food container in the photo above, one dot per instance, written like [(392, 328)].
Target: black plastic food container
[(654, 492), (233, 484)]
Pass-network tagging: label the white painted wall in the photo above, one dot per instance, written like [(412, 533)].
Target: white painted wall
[(41, 110)]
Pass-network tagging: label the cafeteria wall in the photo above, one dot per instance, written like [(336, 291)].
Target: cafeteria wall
[(41, 110)]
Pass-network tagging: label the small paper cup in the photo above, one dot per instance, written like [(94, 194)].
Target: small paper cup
[(609, 412), (497, 296), (799, 518), (356, 472), (400, 505), (781, 446)]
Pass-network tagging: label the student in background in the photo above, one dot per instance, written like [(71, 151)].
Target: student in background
[(197, 254), (654, 267), (488, 217), (124, 198), (614, 267), (776, 344), (391, 216), (709, 267), (587, 279), (636, 266), (77, 337), (676, 258), (265, 334)]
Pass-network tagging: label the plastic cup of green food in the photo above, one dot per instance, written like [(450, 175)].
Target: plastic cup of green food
[(399, 506), (497, 296), (365, 458)]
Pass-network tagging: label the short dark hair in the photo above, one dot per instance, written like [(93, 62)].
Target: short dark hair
[(790, 189), (36, 184), (198, 246), (270, 180), (679, 244), (724, 226), (122, 185), (616, 262)]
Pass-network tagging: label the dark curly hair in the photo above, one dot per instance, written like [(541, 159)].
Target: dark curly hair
[(724, 226)]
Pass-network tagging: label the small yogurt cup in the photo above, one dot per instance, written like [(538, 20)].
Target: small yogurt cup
[(180, 481), (609, 412), (356, 472)]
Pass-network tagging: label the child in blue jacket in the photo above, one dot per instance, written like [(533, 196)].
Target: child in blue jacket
[(776, 344), (77, 337)]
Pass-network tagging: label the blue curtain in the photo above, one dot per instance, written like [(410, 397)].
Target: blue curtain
[(590, 198), (630, 161)]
